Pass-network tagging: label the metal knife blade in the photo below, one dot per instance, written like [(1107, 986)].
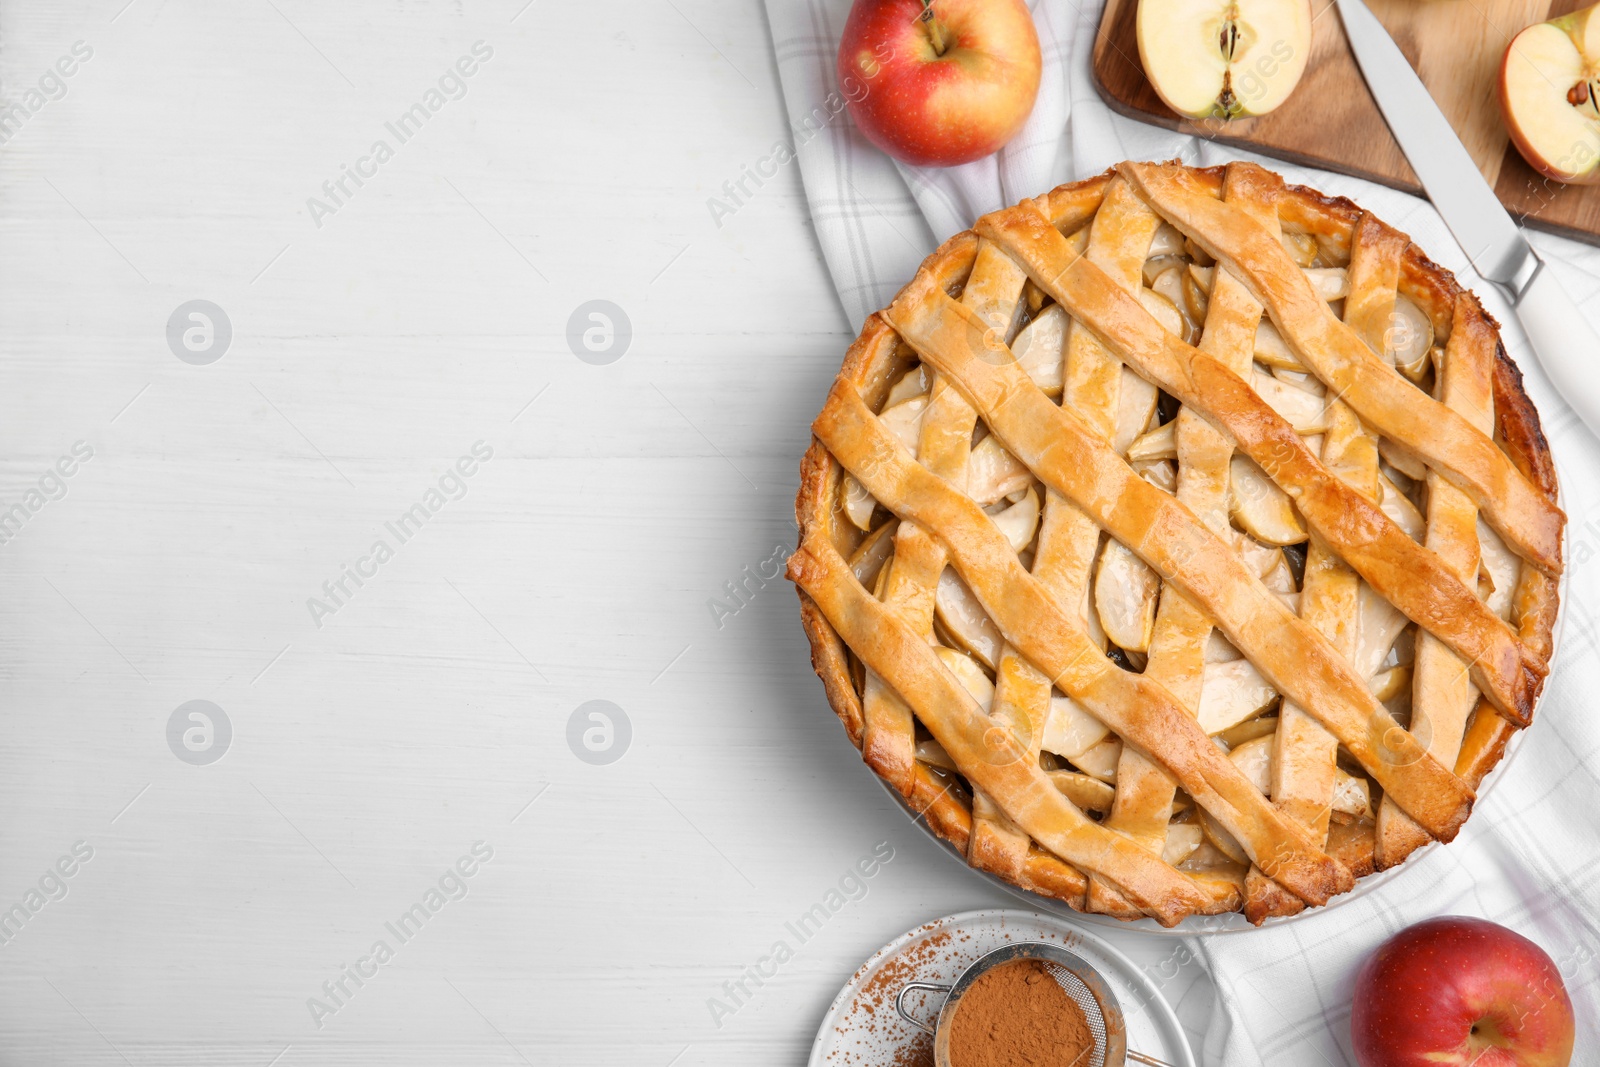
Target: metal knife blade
[(1559, 334), (1481, 225)]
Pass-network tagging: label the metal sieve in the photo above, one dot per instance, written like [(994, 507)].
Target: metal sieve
[(1077, 979)]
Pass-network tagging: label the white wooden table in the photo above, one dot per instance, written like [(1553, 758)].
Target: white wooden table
[(376, 338)]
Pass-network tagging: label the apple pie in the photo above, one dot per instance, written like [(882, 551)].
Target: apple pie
[(1181, 542)]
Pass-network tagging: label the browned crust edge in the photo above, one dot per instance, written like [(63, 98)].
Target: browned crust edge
[(1332, 218)]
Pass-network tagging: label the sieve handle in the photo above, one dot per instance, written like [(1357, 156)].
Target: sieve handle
[(899, 1004), (1138, 1057)]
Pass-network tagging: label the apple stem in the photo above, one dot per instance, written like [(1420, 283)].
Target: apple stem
[(934, 28)]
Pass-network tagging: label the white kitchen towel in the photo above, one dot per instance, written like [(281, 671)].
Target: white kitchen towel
[(1530, 856)]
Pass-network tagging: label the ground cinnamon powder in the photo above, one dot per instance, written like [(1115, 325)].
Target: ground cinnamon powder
[(1016, 1015), (876, 1000)]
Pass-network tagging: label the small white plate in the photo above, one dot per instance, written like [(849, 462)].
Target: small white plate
[(861, 1028)]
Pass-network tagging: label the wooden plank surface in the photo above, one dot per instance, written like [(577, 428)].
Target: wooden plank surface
[(1331, 120), (370, 749)]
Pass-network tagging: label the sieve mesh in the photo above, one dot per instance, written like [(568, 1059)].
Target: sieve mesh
[(1084, 998)]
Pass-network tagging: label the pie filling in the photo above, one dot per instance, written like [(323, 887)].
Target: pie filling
[(1180, 557)]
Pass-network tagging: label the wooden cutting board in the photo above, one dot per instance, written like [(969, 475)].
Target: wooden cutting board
[(1331, 121)]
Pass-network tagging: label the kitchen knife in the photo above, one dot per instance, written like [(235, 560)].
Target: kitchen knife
[(1561, 338)]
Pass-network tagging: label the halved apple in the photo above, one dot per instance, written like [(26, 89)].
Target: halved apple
[(1549, 81), (1224, 58)]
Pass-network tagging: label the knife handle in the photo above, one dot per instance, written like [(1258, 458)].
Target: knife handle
[(1565, 344)]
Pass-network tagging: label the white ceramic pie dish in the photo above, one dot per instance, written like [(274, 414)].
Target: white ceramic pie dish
[(856, 638)]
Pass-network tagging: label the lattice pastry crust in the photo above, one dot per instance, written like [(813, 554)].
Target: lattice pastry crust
[(1181, 542)]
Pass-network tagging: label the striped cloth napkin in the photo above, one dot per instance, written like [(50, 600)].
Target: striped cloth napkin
[(1530, 856)]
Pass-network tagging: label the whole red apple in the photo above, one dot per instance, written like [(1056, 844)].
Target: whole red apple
[(1454, 991), (939, 83)]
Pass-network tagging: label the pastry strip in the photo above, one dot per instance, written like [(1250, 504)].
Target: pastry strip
[(1067, 541), (1409, 576), (1305, 755), (1143, 802), (943, 447), (1529, 521), (1442, 691), (1119, 241), (992, 291), (1022, 691)]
